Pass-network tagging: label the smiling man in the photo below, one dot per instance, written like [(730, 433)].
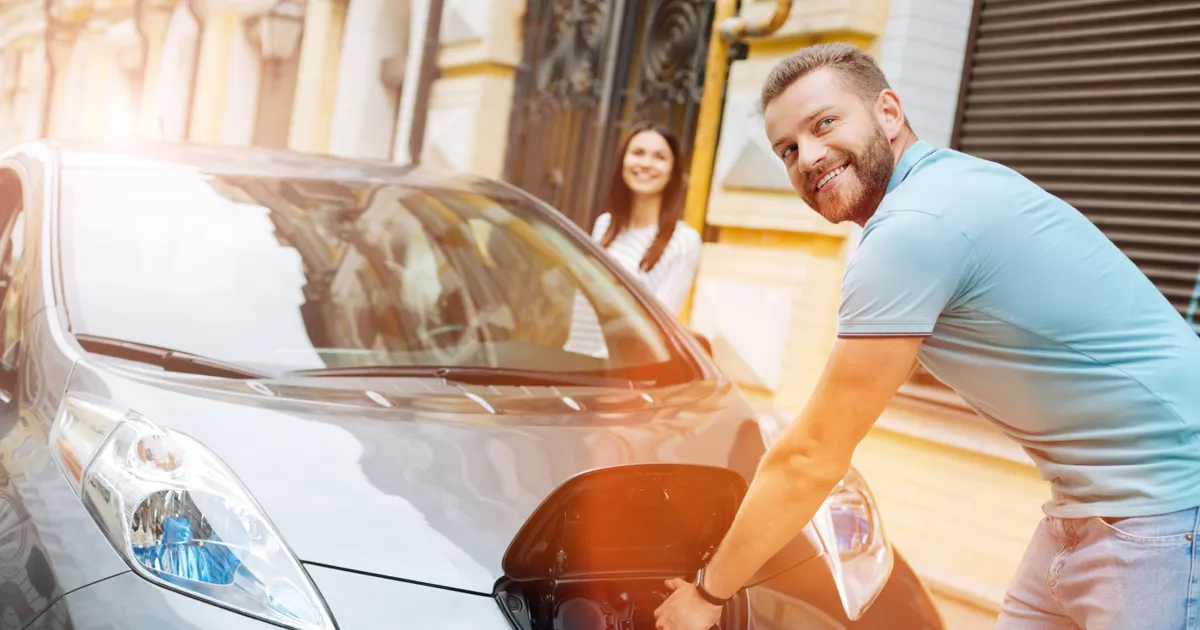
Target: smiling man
[(1013, 298)]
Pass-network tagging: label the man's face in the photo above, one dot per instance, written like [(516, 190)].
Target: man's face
[(838, 156)]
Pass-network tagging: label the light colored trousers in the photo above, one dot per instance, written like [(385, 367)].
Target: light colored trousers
[(1138, 573)]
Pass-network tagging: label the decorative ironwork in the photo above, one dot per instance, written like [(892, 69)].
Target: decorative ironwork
[(671, 78), (592, 68), (669, 64), (566, 73)]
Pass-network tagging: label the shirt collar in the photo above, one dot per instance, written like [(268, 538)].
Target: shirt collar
[(908, 160)]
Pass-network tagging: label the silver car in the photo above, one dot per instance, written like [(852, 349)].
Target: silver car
[(249, 389)]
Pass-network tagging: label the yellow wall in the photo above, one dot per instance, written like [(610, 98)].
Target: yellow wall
[(467, 123), (960, 516), (467, 128), (808, 267), (767, 236)]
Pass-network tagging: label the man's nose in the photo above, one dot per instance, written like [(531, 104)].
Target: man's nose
[(811, 154)]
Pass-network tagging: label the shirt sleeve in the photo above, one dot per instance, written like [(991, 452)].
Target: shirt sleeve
[(675, 282), (600, 227), (909, 267)]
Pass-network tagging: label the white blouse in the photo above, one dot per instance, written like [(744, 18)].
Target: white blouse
[(671, 279)]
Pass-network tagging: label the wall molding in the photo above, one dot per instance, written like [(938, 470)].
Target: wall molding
[(951, 428)]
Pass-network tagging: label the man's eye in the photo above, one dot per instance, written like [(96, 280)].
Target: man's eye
[(787, 152), (826, 122)]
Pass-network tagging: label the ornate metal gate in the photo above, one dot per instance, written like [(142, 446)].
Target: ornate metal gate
[(591, 69)]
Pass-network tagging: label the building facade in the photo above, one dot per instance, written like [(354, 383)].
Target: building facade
[(277, 73), (1098, 102)]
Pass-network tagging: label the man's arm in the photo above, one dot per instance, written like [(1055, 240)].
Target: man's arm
[(812, 455)]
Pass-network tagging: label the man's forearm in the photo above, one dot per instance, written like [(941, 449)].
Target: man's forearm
[(811, 456), (783, 498)]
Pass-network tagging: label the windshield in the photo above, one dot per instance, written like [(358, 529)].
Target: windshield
[(284, 275)]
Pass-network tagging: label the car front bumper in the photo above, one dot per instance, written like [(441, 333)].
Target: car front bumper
[(357, 601), (361, 602)]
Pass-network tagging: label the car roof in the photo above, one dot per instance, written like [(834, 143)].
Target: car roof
[(240, 160)]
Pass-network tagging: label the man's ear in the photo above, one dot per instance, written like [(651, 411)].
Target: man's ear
[(890, 114)]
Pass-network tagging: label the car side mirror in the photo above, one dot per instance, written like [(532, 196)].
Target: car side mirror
[(704, 342)]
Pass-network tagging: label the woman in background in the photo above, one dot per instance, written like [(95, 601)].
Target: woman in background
[(643, 228)]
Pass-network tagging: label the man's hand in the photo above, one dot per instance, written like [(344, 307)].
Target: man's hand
[(685, 609)]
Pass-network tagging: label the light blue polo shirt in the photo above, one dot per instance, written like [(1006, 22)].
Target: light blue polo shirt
[(1041, 324)]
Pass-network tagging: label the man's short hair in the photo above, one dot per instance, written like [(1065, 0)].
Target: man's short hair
[(856, 70)]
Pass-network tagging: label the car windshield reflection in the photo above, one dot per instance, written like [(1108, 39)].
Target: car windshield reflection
[(285, 275)]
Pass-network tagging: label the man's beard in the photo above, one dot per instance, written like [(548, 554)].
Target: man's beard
[(872, 168)]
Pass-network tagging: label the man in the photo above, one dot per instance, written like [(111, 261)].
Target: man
[(1013, 298)]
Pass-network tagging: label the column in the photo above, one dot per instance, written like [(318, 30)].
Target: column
[(170, 101), (30, 105), (208, 109), (153, 20), (316, 88), (418, 18), (364, 115), (60, 45), (242, 85), (99, 65)]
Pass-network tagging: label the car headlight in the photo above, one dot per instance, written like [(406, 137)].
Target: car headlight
[(859, 555), (179, 516), (848, 524)]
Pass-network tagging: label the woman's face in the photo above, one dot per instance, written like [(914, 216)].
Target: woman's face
[(647, 165)]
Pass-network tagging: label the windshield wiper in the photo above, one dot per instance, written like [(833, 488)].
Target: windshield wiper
[(474, 375), (166, 358)]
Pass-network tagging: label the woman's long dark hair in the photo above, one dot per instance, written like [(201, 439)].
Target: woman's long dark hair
[(620, 203)]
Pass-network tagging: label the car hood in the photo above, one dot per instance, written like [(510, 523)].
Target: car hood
[(418, 480)]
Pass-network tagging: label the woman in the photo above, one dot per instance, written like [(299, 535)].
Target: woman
[(643, 229)]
